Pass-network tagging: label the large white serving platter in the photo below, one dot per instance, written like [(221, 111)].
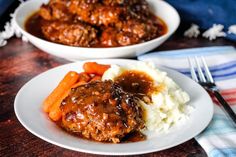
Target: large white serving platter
[(28, 109)]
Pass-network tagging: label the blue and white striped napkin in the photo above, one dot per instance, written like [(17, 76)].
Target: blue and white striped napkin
[(219, 138)]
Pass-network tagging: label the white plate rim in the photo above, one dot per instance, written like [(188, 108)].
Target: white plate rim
[(104, 152)]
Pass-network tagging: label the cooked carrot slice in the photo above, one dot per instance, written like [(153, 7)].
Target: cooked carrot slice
[(96, 78), (79, 84), (83, 76), (55, 111), (95, 68), (66, 83)]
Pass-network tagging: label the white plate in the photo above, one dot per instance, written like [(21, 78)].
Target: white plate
[(160, 8), (29, 112)]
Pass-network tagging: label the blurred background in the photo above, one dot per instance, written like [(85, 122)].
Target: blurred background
[(6, 8)]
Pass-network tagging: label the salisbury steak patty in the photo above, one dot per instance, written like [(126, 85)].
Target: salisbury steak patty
[(74, 34), (101, 111)]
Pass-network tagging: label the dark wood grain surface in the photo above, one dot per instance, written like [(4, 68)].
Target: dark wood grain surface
[(19, 62)]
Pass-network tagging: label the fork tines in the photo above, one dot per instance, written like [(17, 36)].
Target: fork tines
[(205, 79), (199, 64)]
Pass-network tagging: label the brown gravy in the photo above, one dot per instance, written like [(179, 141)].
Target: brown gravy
[(136, 82), (135, 136), (33, 26)]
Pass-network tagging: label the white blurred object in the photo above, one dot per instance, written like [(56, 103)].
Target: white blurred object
[(24, 38), (2, 42), (232, 29), (214, 32), (10, 30), (192, 32)]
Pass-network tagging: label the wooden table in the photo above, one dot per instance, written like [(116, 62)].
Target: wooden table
[(19, 62)]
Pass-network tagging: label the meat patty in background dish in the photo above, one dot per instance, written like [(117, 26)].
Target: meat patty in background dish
[(130, 21), (70, 33), (101, 111)]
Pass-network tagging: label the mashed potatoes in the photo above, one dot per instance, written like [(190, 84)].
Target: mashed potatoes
[(168, 104)]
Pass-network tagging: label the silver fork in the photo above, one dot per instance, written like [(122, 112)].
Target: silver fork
[(205, 80)]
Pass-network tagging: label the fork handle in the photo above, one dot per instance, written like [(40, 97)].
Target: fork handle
[(225, 105)]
